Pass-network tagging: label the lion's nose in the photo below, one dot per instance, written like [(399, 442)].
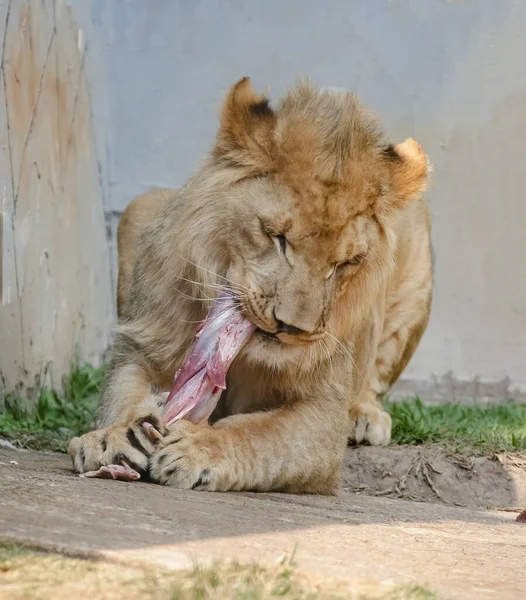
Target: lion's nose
[(290, 329)]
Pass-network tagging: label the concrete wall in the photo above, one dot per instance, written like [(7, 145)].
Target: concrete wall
[(56, 287), (450, 73)]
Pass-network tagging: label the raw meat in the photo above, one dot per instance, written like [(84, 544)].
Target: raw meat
[(199, 383)]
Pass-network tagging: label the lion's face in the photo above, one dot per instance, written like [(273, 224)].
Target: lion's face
[(295, 261), (304, 201)]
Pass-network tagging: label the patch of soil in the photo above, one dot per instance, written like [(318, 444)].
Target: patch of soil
[(430, 474)]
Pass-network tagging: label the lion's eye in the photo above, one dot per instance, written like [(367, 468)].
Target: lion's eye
[(331, 272), (279, 239), (355, 260), (281, 243)]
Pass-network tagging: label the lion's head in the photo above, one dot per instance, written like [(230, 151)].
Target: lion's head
[(294, 208)]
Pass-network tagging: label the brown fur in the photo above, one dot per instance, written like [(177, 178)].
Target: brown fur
[(347, 293)]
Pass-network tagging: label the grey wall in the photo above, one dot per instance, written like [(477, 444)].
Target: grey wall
[(450, 73)]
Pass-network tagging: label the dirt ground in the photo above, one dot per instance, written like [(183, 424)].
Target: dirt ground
[(430, 474), (458, 552)]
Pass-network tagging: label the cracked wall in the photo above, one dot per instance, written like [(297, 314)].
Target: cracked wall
[(56, 298)]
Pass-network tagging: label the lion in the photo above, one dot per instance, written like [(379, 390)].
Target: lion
[(138, 214), (317, 224)]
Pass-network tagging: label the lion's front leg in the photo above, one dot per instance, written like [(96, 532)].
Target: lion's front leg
[(195, 457), (298, 449)]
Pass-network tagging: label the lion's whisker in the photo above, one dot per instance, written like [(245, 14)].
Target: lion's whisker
[(233, 283)]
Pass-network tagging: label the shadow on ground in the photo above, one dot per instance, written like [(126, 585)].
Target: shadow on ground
[(462, 551)]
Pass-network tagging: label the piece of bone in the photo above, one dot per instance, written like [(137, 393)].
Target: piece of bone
[(121, 472)]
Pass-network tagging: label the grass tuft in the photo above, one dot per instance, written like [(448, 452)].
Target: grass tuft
[(56, 416), (484, 429), (476, 429), (26, 573)]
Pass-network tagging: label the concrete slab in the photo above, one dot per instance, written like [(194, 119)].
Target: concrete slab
[(459, 552)]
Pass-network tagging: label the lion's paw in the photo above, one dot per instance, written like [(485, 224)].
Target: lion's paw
[(116, 445), (370, 424), (190, 457)]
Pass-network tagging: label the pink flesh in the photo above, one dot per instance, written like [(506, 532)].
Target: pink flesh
[(121, 472), (199, 383)]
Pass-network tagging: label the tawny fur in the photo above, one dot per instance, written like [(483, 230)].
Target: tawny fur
[(317, 224), (139, 213)]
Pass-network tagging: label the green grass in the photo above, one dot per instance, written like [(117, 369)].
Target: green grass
[(56, 417), (477, 429), (28, 574)]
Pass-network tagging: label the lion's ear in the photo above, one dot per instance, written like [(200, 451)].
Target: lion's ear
[(245, 134), (409, 169)]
